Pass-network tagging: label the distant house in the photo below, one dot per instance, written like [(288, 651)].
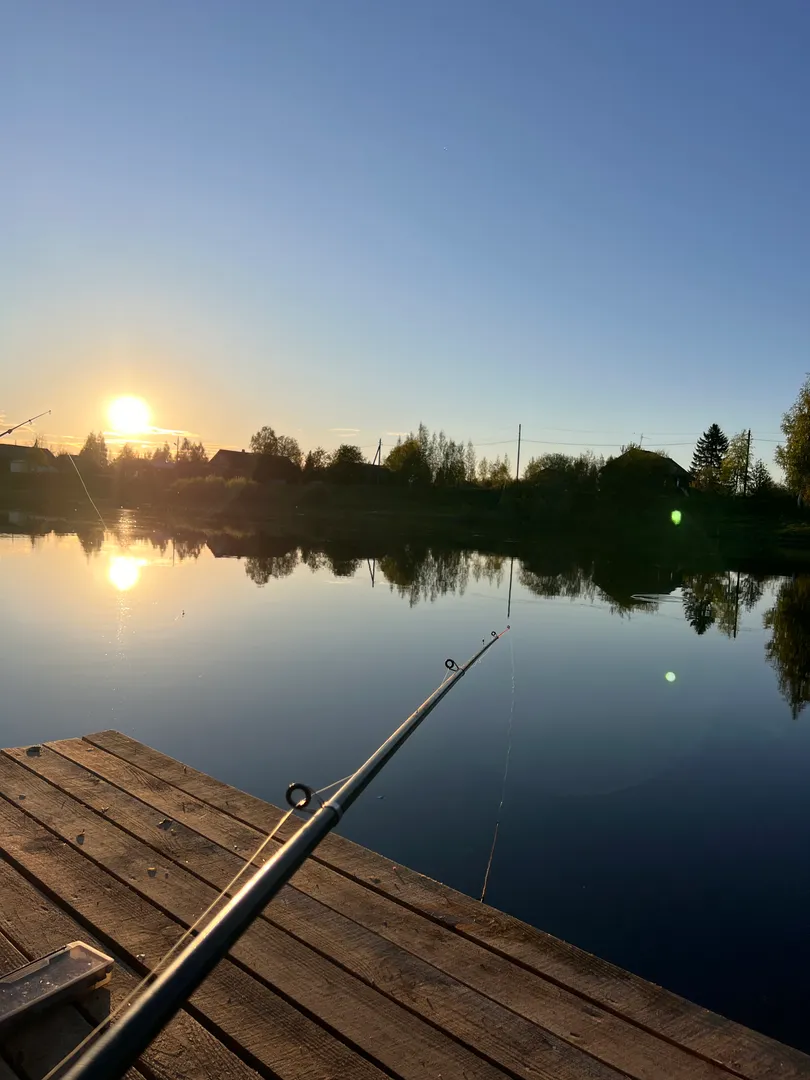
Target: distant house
[(264, 468), (233, 463), (26, 459), (643, 471)]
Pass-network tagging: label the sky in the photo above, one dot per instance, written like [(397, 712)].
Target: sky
[(589, 217)]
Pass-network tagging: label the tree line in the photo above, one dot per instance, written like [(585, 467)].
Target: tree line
[(720, 463)]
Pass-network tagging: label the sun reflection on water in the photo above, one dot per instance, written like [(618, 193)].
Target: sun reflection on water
[(124, 571)]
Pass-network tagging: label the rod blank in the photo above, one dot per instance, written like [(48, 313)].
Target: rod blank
[(120, 1046)]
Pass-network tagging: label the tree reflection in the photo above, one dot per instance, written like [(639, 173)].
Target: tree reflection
[(343, 568), (426, 575), (720, 599), (261, 568), (189, 547), (340, 565), (91, 538), (571, 583), (789, 648), (698, 606), (418, 573)]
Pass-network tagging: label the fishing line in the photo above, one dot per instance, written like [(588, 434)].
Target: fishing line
[(89, 496), (505, 775)]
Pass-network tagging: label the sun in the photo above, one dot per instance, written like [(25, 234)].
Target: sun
[(129, 415)]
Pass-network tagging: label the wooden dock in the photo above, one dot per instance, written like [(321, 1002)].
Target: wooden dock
[(358, 969)]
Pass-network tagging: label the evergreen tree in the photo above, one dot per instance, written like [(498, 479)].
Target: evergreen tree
[(707, 460), (760, 481), (94, 451)]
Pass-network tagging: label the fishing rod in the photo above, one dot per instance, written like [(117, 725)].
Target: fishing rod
[(121, 1045), (24, 422)]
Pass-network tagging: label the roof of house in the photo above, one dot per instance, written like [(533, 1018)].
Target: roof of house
[(15, 452), (232, 457), (636, 456)]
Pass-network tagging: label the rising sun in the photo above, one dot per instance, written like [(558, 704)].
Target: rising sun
[(129, 415)]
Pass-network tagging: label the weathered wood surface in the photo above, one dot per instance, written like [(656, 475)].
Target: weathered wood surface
[(358, 968)]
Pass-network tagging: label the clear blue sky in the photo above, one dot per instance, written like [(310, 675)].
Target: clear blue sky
[(579, 214)]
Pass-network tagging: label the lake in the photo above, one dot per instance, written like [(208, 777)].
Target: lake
[(657, 805)]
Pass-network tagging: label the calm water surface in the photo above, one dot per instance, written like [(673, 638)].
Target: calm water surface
[(664, 825)]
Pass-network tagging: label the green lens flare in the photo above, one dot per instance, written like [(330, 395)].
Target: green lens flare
[(676, 517), (670, 676)]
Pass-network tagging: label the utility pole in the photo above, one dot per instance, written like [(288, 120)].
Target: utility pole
[(517, 467), (747, 463)]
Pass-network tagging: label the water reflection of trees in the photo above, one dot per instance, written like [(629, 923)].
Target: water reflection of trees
[(188, 547), (426, 573), (571, 583), (789, 648), (91, 538), (262, 568), (614, 583), (720, 599)]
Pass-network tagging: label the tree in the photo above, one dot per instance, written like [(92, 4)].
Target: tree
[(126, 461), (409, 460), (192, 453), (264, 441), (736, 463), (94, 451), (495, 474), (288, 448), (451, 462), (794, 454), (707, 460), (562, 472), (760, 482), (316, 459), (538, 468), (162, 455), (469, 463), (348, 455)]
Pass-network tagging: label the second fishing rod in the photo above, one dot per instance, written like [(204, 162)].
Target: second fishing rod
[(114, 1051)]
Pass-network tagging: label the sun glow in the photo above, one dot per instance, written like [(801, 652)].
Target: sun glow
[(129, 416), (124, 571)]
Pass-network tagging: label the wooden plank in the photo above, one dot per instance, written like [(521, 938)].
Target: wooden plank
[(744, 1051), (138, 801), (499, 1033), (252, 1020), (38, 1045), (362, 1016), (477, 1019), (183, 1049)]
